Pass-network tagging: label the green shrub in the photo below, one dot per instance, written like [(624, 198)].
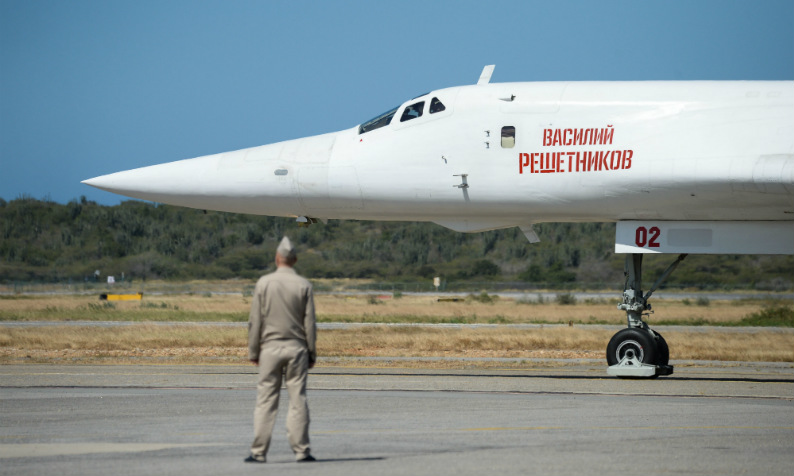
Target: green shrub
[(483, 297), (566, 299), (774, 315)]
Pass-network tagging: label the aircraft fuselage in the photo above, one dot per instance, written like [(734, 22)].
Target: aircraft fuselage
[(511, 154)]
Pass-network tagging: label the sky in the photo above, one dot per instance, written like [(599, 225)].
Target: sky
[(94, 87)]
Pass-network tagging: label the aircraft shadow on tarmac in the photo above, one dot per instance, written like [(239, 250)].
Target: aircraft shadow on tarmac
[(564, 377)]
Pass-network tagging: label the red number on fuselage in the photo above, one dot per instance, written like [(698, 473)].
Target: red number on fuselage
[(642, 238)]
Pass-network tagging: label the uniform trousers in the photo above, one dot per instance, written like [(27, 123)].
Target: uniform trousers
[(290, 357)]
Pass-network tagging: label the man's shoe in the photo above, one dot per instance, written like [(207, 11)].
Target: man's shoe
[(254, 459), (307, 459)]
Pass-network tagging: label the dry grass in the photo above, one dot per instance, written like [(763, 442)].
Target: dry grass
[(82, 344), (336, 308), (185, 343), (179, 307), (482, 342), (201, 344), (554, 342), (761, 346), (340, 308), (187, 302)]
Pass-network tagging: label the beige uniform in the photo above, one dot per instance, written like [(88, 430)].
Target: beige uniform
[(281, 335)]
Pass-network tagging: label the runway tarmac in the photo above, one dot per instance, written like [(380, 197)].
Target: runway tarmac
[(558, 418)]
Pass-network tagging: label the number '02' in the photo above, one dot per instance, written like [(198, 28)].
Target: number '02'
[(647, 237)]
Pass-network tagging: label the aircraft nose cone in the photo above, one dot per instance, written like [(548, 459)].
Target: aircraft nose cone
[(261, 180), (105, 182), (164, 182), (109, 183)]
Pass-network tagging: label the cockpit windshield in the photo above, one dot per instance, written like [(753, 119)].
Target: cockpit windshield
[(412, 111), (378, 122)]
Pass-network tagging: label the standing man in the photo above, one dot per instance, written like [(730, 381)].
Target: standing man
[(281, 340)]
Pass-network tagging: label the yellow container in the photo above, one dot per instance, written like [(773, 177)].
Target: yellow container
[(121, 297)]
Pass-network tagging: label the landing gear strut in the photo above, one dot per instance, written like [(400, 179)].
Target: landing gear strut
[(639, 351)]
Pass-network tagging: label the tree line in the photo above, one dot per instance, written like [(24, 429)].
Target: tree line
[(45, 241)]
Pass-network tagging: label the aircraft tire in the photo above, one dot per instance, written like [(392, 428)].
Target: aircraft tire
[(632, 340), (662, 350)]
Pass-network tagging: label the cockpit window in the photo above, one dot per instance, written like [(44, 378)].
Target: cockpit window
[(377, 122), (436, 106), (413, 111)]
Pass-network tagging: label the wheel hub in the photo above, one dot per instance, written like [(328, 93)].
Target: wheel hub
[(630, 349)]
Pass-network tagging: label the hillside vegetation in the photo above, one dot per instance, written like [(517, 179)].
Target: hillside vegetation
[(51, 242)]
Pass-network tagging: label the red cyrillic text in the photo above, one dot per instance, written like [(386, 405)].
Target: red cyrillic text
[(590, 161), (555, 137), (576, 161)]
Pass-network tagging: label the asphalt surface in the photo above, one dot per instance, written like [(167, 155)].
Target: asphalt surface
[(560, 417)]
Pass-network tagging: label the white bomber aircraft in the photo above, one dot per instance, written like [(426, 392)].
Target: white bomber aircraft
[(682, 167)]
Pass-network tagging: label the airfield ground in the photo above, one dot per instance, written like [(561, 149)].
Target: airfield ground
[(210, 328), (404, 386)]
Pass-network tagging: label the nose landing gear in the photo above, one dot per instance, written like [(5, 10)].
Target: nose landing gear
[(639, 351)]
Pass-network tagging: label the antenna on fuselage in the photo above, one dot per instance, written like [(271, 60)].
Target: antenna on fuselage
[(485, 76)]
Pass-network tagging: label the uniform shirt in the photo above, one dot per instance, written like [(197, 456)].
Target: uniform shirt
[(282, 308)]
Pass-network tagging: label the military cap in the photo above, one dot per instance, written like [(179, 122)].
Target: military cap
[(285, 249)]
